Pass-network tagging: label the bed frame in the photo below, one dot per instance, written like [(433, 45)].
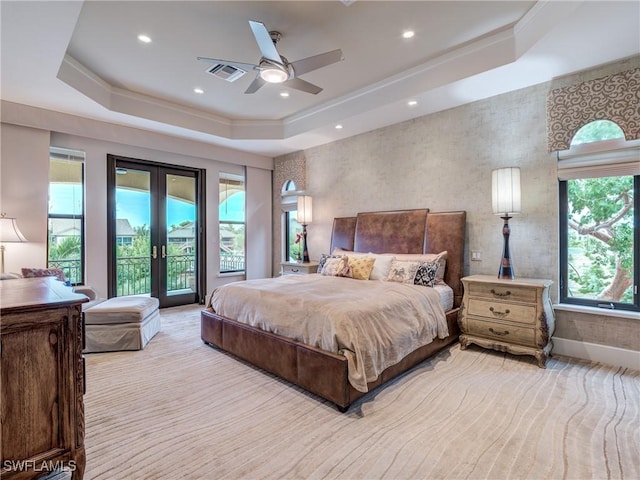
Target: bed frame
[(324, 373)]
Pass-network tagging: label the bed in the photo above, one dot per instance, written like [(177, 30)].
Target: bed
[(329, 372)]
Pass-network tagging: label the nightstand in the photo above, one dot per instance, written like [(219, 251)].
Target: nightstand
[(514, 316), (298, 268)]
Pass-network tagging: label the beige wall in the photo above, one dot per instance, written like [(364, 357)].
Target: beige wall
[(23, 175), (24, 180), (443, 161)]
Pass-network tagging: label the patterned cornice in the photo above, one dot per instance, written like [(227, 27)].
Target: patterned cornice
[(615, 97)]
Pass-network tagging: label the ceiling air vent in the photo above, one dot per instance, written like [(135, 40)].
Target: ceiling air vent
[(226, 72)]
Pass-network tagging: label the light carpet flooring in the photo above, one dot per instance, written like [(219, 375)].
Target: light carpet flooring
[(182, 410)]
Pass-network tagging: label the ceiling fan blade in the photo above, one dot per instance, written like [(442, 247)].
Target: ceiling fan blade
[(308, 64), (244, 66), (265, 42), (255, 85), (303, 85)]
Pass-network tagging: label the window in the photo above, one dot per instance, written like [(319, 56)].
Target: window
[(292, 248), (599, 237), (65, 246), (232, 223)]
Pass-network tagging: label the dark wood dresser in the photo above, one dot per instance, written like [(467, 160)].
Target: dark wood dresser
[(42, 371)]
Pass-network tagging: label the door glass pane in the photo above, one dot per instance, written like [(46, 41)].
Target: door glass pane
[(133, 240), (180, 244)]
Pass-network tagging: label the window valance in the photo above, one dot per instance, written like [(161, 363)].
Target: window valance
[(615, 97)]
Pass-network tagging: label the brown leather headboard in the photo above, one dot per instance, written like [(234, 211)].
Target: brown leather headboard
[(407, 231)]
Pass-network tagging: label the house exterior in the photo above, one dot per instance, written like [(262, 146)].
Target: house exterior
[(124, 232)]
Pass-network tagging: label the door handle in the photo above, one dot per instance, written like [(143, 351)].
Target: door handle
[(164, 252), (154, 252)]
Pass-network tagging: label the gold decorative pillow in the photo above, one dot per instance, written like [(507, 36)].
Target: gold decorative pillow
[(361, 267)]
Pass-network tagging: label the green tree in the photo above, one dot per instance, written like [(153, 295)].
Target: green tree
[(68, 248), (600, 214)]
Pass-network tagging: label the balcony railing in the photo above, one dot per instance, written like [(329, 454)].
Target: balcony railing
[(134, 273), (71, 268), (231, 262)]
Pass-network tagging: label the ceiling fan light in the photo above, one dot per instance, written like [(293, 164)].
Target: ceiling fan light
[(273, 75)]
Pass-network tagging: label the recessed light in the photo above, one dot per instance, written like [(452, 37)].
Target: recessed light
[(144, 38), (198, 90), (338, 127), (284, 94), (408, 34), (412, 103)]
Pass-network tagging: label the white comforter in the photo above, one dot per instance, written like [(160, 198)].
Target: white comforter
[(374, 324)]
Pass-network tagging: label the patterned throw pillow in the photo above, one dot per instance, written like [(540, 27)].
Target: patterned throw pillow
[(426, 274), (344, 269), (43, 272), (331, 266), (403, 272), (440, 258), (323, 259), (361, 267)]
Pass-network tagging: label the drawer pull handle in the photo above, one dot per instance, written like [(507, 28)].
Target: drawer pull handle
[(506, 332), (295, 270), (498, 313), (498, 294)]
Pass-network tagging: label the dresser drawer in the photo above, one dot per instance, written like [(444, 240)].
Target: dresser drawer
[(502, 332), (503, 292), (525, 314)]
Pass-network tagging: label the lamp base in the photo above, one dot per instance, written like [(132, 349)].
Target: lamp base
[(305, 251), (506, 270)]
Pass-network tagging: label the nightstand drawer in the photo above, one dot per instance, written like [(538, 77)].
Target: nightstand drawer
[(503, 292), (299, 268), (503, 311), (502, 332)]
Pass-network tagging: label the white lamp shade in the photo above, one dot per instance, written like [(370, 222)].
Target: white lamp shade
[(304, 216), (505, 190), (9, 231)]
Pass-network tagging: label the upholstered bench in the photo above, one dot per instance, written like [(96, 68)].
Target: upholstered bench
[(121, 323)]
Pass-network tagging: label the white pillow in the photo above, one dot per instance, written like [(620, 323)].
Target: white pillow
[(381, 267)]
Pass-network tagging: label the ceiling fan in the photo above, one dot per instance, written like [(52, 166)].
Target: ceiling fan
[(274, 68)]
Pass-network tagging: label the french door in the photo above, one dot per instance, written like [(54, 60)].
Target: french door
[(155, 238)]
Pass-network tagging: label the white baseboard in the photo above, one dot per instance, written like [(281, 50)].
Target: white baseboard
[(619, 357)]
